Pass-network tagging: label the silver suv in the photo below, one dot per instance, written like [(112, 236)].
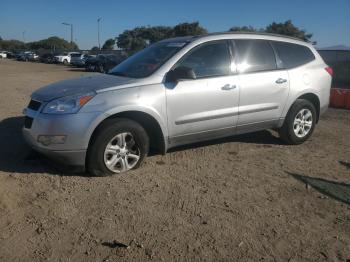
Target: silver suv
[(180, 91)]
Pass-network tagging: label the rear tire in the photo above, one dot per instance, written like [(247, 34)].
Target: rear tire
[(118, 146), (101, 69), (299, 123)]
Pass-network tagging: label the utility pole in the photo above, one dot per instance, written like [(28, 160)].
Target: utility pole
[(71, 31), (98, 32)]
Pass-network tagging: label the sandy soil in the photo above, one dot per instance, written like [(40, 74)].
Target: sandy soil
[(246, 198)]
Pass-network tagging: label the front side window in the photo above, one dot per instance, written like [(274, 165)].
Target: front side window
[(293, 55), (208, 59), (254, 56)]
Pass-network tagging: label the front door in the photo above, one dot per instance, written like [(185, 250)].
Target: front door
[(205, 107)]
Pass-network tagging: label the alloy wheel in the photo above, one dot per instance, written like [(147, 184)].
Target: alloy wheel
[(302, 123), (121, 153)]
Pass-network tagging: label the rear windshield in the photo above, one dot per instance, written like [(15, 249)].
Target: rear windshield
[(293, 55)]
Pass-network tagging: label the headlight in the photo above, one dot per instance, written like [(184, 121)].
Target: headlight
[(68, 104)]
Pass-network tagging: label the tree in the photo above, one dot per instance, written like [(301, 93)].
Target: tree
[(289, 29), (109, 44), (185, 29), (243, 29), (131, 40), (12, 45), (139, 37), (52, 43), (95, 50)]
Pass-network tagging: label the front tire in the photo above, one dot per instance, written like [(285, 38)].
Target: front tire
[(299, 123), (118, 146)]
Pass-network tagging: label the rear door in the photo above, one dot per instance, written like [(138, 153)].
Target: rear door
[(264, 87), (207, 106)]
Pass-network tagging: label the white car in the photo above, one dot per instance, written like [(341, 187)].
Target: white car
[(65, 58), (3, 54)]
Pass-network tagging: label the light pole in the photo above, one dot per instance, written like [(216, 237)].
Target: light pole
[(23, 35), (98, 32), (71, 31)]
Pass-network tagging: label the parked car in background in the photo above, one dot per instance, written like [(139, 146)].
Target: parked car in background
[(10, 55), (27, 56), (180, 91), (339, 60), (103, 63), (78, 59), (65, 57), (3, 54), (47, 58)]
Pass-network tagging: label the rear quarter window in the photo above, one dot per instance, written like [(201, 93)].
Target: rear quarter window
[(293, 55)]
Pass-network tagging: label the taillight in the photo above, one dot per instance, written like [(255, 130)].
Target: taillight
[(329, 70)]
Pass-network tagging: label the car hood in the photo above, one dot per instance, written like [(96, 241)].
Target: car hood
[(82, 85)]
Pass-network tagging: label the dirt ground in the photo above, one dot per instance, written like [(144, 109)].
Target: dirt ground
[(247, 198)]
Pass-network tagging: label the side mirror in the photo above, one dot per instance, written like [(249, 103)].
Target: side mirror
[(180, 73)]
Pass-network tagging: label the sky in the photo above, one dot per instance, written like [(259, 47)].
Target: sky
[(329, 21)]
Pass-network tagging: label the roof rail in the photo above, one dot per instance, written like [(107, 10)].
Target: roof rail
[(251, 33)]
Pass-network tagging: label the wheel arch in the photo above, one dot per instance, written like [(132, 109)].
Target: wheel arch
[(153, 127), (315, 100)]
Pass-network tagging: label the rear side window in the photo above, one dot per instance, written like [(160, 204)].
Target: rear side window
[(254, 56), (293, 55)]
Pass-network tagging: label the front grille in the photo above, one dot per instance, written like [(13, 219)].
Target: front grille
[(28, 121), (34, 105)]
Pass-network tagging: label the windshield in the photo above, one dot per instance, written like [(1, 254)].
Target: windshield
[(148, 60)]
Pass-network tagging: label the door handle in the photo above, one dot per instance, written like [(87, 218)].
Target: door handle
[(228, 87), (281, 81)]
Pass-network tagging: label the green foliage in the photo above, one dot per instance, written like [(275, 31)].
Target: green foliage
[(185, 29), (139, 37), (12, 45), (243, 29), (52, 43), (289, 29), (109, 44), (95, 50)]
